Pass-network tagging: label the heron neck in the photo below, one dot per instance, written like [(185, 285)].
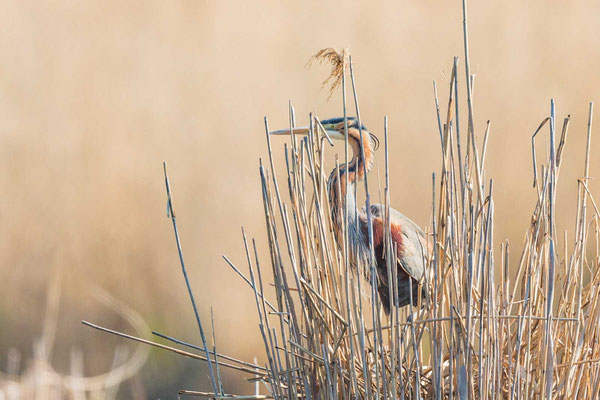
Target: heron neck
[(353, 171), (342, 185), (358, 162), (338, 193)]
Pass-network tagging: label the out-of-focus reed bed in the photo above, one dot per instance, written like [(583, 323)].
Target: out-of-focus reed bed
[(40, 380), (487, 330)]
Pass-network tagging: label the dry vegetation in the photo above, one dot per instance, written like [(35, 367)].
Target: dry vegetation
[(488, 332)]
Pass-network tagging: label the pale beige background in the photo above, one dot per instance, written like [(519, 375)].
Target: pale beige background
[(95, 95)]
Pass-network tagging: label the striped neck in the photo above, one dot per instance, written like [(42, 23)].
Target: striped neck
[(338, 192)]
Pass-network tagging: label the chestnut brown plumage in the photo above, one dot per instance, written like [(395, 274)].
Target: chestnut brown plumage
[(407, 238)]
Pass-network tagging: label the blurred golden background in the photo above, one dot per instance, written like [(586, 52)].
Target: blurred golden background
[(95, 95)]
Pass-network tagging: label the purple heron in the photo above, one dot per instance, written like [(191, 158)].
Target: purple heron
[(407, 237)]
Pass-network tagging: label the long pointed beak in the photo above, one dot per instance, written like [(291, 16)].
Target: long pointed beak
[(303, 130)]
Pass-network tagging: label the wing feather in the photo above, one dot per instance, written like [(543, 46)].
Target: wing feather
[(412, 257)]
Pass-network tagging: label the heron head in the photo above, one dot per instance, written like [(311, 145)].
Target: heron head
[(335, 129)]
